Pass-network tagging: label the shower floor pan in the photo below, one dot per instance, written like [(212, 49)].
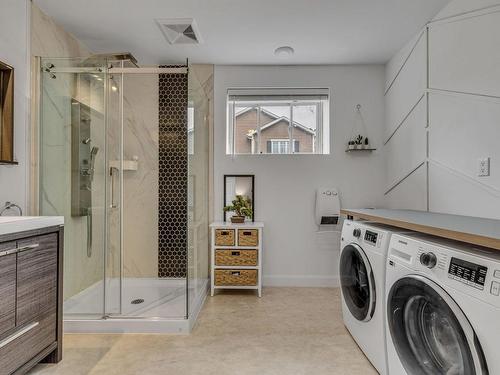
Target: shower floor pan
[(148, 306)]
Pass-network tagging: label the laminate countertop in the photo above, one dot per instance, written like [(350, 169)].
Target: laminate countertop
[(473, 230), (16, 224)]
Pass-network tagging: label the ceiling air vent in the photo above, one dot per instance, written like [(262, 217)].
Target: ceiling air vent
[(180, 30)]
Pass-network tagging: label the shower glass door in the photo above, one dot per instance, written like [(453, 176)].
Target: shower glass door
[(73, 173), (110, 139), (152, 275), (199, 91)]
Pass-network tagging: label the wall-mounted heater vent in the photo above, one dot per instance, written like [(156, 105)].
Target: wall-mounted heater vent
[(180, 30)]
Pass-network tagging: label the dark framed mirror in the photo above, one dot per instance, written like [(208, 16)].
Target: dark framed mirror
[(239, 184), (6, 114)]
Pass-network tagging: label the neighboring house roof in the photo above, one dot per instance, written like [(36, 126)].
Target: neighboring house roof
[(286, 119), (276, 120)]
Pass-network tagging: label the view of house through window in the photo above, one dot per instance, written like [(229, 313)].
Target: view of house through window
[(278, 121)]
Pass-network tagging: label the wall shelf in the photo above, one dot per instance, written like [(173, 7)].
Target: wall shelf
[(361, 150)]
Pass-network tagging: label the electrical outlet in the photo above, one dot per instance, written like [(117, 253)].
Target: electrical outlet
[(483, 167)]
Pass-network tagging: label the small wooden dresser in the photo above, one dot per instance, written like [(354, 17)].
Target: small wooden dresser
[(236, 256)]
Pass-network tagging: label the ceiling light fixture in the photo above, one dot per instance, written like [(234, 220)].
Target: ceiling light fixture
[(284, 51)]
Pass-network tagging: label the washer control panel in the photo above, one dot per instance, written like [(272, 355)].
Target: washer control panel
[(468, 273)]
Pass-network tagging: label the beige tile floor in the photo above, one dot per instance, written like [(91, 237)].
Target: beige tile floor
[(290, 331)]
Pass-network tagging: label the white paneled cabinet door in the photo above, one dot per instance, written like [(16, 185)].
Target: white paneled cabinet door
[(464, 55)]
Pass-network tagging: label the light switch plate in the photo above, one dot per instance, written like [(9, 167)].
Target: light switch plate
[(483, 167)]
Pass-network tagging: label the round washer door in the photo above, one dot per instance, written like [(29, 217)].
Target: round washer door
[(357, 282), (430, 332)]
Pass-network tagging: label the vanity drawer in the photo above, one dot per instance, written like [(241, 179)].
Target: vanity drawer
[(26, 342), (36, 277), (7, 293), (235, 277), (7, 246), (224, 237), (248, 237), (236, 257)]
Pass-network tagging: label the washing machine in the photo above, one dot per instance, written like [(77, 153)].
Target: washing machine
[(443, 307), (362, 278)]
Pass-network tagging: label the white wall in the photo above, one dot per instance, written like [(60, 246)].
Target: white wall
[(456, 122), (294, 253), (14, 50)]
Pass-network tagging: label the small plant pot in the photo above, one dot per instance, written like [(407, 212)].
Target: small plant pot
[(237, 219), (350, 147), (359, 147)]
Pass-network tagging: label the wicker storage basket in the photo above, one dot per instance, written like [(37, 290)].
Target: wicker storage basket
[(224, 237), (236, 277), (236, 257), (248, 237)]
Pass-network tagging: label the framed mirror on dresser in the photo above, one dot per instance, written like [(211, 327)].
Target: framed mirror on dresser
[(239, 185)]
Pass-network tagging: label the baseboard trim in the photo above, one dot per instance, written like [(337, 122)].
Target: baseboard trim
[(301, 281)]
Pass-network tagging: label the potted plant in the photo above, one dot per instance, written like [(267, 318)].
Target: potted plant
[(242, 207), (359, 141), (350, 145), (367, 143)]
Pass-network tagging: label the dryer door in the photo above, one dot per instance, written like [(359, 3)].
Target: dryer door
[(357, 282), (431, 334)]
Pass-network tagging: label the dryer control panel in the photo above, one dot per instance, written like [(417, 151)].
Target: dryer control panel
[(371, 237)]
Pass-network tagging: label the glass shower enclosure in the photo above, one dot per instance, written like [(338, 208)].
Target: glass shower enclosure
[(106, 144)]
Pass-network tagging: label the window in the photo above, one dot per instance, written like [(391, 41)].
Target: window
[(277, 121), (281, 146)]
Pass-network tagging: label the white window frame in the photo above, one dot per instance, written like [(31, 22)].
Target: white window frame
[(321, 140)]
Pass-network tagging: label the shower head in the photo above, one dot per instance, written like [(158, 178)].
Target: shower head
[(94, 151), (120, 56)]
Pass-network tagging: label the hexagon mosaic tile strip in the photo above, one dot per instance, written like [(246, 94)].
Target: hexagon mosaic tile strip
[(173, 175)]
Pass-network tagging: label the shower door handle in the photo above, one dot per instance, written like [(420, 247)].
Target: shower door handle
[(89, 233), (112, 195)]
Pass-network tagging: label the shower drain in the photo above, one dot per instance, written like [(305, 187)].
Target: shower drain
[(137, 301)]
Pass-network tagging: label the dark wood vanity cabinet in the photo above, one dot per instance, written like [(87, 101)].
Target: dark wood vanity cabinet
[(30, 299), (7, 291)]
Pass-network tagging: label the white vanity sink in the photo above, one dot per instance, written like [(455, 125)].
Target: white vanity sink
[(15, 224)]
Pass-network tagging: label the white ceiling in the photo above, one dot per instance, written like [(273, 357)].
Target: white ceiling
[(248, 31)]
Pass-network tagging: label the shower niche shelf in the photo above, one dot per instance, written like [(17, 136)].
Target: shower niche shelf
[(128, 165)]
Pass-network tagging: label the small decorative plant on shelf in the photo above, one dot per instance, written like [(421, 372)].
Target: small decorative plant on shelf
[(359, 141), (367, 143), (242, 207), (350, 145)]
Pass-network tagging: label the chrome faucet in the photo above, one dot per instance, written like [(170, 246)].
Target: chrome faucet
[(8, 205)]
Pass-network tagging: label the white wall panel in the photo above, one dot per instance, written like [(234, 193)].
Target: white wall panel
[(464, 55), (408, 88), (463, 6), (395, 64), (407, 148), (449, 192), (464, 128), (411, 193)]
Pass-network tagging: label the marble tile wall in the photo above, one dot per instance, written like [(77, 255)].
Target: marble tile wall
[(140, 188)]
